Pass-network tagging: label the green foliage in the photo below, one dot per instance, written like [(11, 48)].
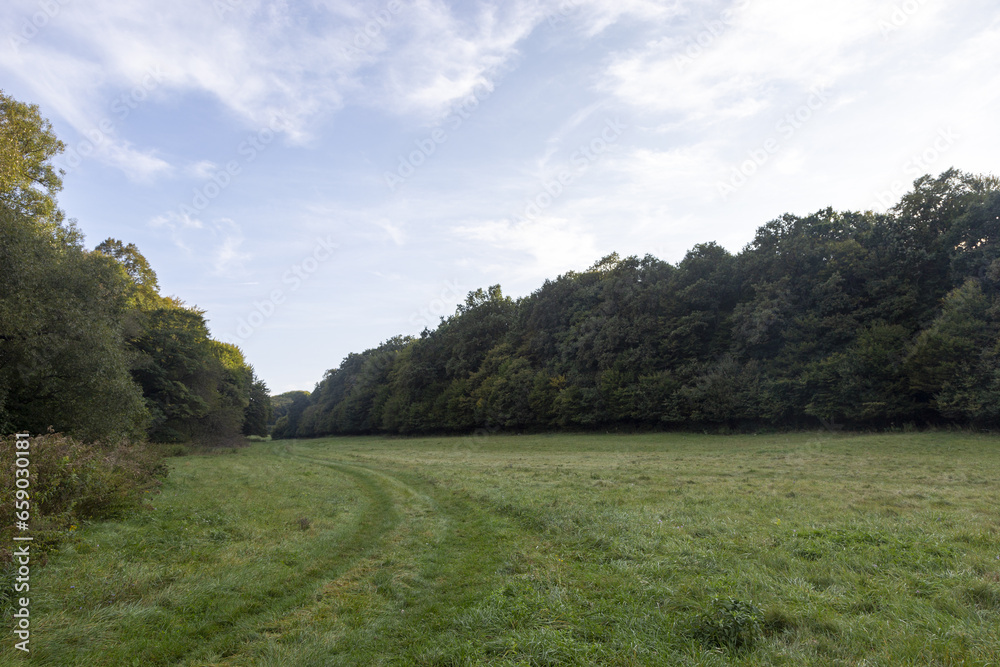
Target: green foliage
[(197, 389), (281, 403), (28, 180), (73, 482), (954, 362), (729, 623), (140, 275), (835, 318), (225, 421), (64, 311), (258, 411), (287, 426), (63, 358), (87, 345)]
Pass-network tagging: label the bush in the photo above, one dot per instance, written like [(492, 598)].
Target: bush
[(72, 481), (730, 623)]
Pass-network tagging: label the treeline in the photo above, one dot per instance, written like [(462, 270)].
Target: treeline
[(857, 319), (88, 346)]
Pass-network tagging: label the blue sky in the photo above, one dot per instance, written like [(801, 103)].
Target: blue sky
[(320, 176)]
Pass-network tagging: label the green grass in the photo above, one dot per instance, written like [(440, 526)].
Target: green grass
[(654, 549)]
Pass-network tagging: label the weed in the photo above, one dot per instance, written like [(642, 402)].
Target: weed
[(729, 623)]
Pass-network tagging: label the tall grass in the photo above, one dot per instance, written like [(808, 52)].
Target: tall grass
[(71, 482)]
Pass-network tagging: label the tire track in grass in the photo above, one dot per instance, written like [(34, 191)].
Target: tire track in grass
[(391, 503), (446, 553), (422, 563), (378, 521), (394, 554), (227, 633)]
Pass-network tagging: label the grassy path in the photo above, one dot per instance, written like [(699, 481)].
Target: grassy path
[(547, 550), (218, 562)]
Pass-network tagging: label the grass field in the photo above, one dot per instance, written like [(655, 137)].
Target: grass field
[(656, 549)]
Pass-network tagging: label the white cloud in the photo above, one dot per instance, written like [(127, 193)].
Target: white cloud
[(272, 60), (140, 166), (266, 60), (594, 16), (173, 221), (218, 244), (228, 258), (555, 245), (201, 170), (439, 59), (393, 230), (738, 64)]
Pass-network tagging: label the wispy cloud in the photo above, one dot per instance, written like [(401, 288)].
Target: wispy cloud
[(740, 60), (201, 170), (552, 246), (229, 257), (265, 60), (218, 244), (592, 17)]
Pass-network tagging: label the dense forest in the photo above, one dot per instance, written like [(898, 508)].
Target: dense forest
[(842, 319), (88, 346)]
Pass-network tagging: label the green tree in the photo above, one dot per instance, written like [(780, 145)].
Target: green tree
[(140, 275), (63, 358), (258, 411), (177, 371), (812, 321), (282, 402), (87, 344), (287, 425), (231, 396), (866, 384), (954, 362), (28, 180)]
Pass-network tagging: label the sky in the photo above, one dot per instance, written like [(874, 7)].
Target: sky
[(321, 176)]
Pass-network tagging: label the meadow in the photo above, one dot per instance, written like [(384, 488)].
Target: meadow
[(651, 549)]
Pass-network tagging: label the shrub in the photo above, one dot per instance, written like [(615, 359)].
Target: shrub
[(729, 623), (72, 481)]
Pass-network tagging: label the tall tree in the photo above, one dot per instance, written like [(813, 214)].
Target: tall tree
[(29, 181), (258, 411), (63, 360), (145, 286)]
